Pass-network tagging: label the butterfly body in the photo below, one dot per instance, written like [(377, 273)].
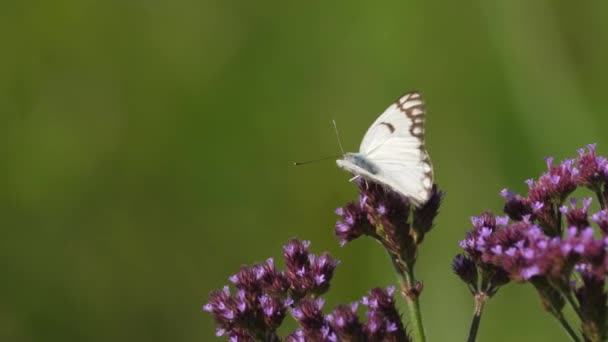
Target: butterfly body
[(392, 152), (359, 160)]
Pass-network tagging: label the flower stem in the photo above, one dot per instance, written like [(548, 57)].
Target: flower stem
[(552, 297), (567, 328), (411, 292), (480, 301), (572, 302), (600, 197), (412, 298)]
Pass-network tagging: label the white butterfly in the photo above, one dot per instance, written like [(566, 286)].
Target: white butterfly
[(392, 152)]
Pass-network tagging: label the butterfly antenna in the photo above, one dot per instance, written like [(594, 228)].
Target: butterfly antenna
[(325, 158), (338, 136), (314, 160)]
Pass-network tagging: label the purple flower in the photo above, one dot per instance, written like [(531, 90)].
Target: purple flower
[(272, 281), (515, 206), (247, 279), (424, 216), (480, 246), (322, 269), (309, 314), (383, 319), (529, 272), (547, 242), (239, 335), (274, 310), (306, 273), (475, 242), (297, 336), (385, 216), (389, 218), (466, 269), (353, 224), (601, 219), (260, 303), (577, 216), (345, 322), (591, 168)]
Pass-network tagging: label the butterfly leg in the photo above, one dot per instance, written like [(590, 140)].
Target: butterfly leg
[(354, 178)]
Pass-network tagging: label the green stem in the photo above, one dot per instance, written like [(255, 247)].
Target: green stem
[(413, 303), (600, 197), (567, 328), (573, 304), (480, 301), (408, 288), (559, 221)]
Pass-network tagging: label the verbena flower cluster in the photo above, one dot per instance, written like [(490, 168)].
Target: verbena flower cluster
[(554, 242), (385, 216), (383, 320), (546, 238), (379, 207), (264, 296)]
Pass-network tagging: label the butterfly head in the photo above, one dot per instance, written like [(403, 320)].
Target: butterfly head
[(360, 161)]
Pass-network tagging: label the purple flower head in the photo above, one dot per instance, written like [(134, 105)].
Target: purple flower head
[(537, 207), (274, 310), (306, 273), (385, 215), (379, 299), (591, 168), (466, 269), (424, 215), (486, 220), (248, 279), (551, 188), (309, 315), (297, 336), (227, 310), (530, 182), (383, 319), (239, 335), (519, 250), (394, 206), (475, 242), (487, 240), (295, 249), (577, 216), (558, 183), (263, 295), (272, 280), (322, 271), (529, 272), (515, 206), (586, 250), (345, 322), (354, 223), (506, 194), (547, 242), (298, 268), (601, 219)]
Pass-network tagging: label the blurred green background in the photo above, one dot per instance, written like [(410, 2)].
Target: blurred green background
[(146, 147)]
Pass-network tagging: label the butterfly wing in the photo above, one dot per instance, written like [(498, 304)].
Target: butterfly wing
[(404, 118), (395, 145), (403, 168)]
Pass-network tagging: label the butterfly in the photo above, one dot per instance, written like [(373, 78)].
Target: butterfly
[(392, 152)]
